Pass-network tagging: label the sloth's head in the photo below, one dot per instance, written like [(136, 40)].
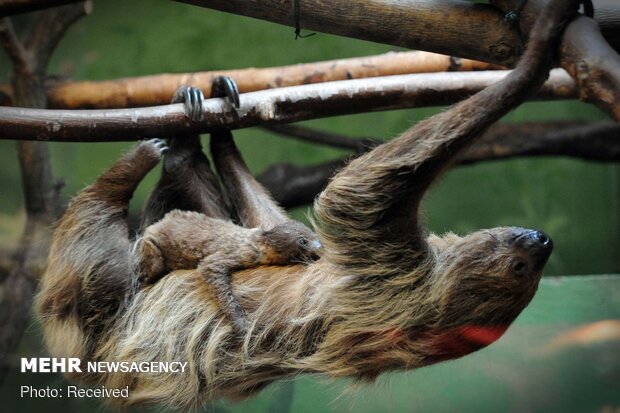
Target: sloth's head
[(291, 242), (482, 281)]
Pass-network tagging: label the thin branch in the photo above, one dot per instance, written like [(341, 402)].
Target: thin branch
[(51, 26), (273, 106), (158, 89), (598, 141), (12, 45), (293, 185), (322, 138)]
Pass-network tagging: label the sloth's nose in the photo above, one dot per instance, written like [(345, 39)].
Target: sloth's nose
[(537, 243)]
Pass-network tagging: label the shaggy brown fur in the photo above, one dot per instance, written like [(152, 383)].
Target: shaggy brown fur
[(187, 182), (205, 239), (383, 296), (188, 240)]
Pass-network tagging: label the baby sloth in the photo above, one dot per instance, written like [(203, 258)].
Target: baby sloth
[(217, 247)]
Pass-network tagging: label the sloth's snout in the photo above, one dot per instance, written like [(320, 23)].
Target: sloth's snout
[(538, 244)]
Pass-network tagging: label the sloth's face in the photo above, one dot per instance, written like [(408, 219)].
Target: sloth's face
[(480, 284), (514, 254), (490, 275), (292, 242)]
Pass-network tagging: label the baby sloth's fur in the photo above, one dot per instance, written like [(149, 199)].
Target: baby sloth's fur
[(185, 240), (383, 295)]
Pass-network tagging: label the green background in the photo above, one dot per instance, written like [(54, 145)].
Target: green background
[(576, 202)]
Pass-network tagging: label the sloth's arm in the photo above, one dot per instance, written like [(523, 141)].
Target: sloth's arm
[(374, 201), (253, 205), (187, 181)]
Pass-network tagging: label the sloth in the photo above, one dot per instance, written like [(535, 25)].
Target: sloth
[(217, 247), (186, 239), (384, 295)]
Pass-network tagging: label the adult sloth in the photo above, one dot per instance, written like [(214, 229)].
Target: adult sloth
[(383, 296)]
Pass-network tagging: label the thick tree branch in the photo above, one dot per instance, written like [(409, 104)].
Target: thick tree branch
[(593, 64), (453, 27), (273, 106), (158, 89), (475, 31), (293, 185)]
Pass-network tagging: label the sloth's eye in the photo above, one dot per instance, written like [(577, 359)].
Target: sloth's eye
[(519, 267), (303, 242)]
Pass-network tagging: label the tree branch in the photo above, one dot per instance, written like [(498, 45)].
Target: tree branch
[(293, 185), (473, 30), (584, 53), (322, 138), (382, 21), (39, 185), (158, 89), (452, 27), (51, 26), (12, 45), (273, 106), (593, 64)]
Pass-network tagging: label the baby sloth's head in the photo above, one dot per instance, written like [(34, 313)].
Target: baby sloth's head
[(289, 243), (482, 282)]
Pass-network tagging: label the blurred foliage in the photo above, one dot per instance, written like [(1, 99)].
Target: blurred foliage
[(576, 202)]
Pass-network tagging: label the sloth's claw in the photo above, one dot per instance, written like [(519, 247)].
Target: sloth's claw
[(192, 99), (224, 86), (159, 144)]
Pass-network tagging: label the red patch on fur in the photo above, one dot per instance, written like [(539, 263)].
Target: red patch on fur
[(460, 341)]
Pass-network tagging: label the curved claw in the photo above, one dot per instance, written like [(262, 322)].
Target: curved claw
[(224, 86), (193, 99), (159, 144), (193, 103)]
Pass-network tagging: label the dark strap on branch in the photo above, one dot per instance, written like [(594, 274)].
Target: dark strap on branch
[(298, 34)]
